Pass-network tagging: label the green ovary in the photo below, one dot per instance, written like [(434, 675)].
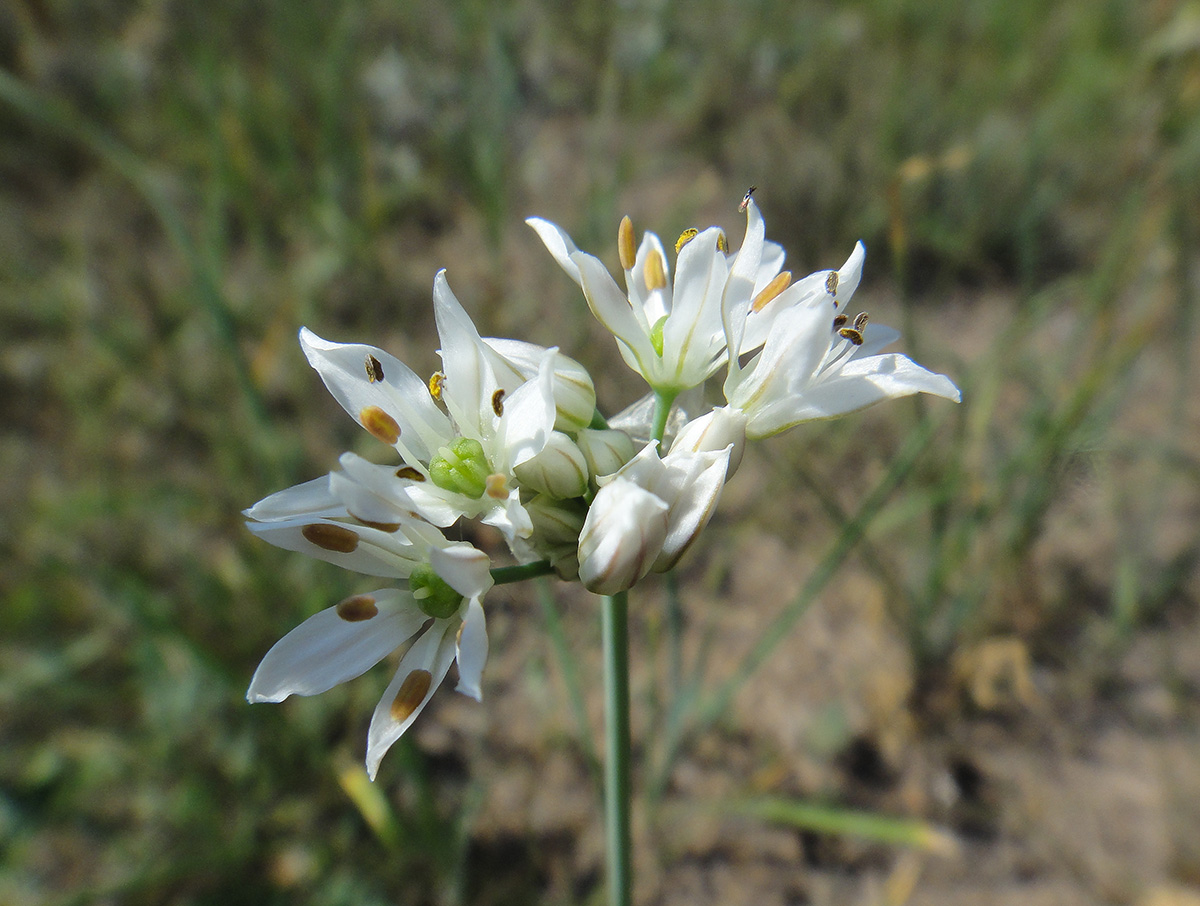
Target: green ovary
[(461, 467), (434, 596)]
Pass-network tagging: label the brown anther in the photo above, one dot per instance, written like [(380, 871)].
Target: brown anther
[(860, 321), (849, 333), (498, 402), (722, 243), (656, 271), (831, 283), (329, 537), (388, 527), (374, 369), (357, 608), (496, 486), (380, 424), (746, 200), (840, 321), (685, 237), (626, 247), (781, 282), (412, 692), (410, 473)]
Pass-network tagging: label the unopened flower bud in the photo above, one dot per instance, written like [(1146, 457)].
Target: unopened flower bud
[(714, 432), (574, 394), (559, 470), (605, 450), (622, 537), (556, 528)]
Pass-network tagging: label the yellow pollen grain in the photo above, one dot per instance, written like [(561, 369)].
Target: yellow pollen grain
[(410, 473), (498, 402), (849, 333), (831, 283), (437, 381), (685, 237), (860, 321), (328, 537), (374, 369), (781, 282), (496, 486), (656, 271), (412, 692), (357, 608), (626, 247), (840, 321), (722, 243), (380, 424)]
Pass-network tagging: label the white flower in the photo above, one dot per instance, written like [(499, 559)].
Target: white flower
[(647, 514), (361, 518), (344, 641), (622, 535), (670, 333), (499, 413), (813, 361)]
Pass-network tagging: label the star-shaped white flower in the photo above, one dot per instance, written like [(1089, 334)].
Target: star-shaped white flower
[(499, 413), (361, 518), (668, 331), (809, 360)]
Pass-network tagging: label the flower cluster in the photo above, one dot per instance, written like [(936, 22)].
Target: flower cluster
[(508, 433)]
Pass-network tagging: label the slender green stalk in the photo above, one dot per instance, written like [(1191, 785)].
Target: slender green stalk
[(662, 408), (615, 611), (504, 575)]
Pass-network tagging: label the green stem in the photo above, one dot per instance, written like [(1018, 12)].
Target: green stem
[(503, 575), (663, 399), (616, 762)]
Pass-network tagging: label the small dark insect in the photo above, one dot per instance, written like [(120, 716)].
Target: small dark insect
[(746, 199), (374, 369)]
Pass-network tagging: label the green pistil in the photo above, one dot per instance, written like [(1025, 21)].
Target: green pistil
[(461, 467), (434, 596)]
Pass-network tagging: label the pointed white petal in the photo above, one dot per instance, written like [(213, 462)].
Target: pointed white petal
[(401, 394), (470, 381), (559, 245), (612, 308), (529, 415), (463, 567), (353, 547), (472, 650), (693, 335), (336, 645), (850, 273), (422, 668), (859, 384), (696, 481), (739, 287), (312, 498)]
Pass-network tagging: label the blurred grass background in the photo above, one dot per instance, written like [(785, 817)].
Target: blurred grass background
[(183, 185)]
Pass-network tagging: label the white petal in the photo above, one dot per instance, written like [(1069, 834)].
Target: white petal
[(463, 567), (693, 335), (850, 273), (794, 350), (622, 536), (612, 309), (401, 394), (529, 415), (857, 385), (559, 244), (739, 287), (470, 381), (312, 498), (697, 480), (432, 652), (373, 552), (327, 649), (472, 650)]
